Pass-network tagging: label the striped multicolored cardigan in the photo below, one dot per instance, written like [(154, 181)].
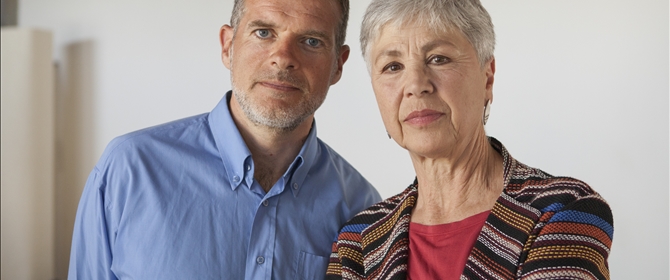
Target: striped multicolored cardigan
[(541, 227)]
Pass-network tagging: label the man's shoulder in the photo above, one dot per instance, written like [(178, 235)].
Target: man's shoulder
[(157, 138), (328, 155), (352, 183), (328, 158)]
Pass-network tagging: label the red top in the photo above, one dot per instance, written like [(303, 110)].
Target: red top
[(440, 251)]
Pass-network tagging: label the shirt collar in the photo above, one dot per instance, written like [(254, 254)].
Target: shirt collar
[(304, 161), (234, 153), (236, 156)]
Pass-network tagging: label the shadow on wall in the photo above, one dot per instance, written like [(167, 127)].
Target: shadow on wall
[(75, 156)]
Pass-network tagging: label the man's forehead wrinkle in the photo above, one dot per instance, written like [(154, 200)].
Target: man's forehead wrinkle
[(294, 13)]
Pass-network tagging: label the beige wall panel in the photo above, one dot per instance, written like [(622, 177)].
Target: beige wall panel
[(27, 154)]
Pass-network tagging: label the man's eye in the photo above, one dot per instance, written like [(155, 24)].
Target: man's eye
[(313, 42), (263, 33)]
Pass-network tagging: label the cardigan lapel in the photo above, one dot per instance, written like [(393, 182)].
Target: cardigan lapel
[(386, 243), (496, 255), (500, 245)]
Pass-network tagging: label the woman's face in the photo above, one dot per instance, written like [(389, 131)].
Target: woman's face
[(430, 88)]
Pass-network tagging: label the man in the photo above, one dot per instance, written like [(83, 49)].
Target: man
[(244, 192)]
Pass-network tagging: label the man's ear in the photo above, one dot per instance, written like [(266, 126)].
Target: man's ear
[(341, 59), (226, 39)]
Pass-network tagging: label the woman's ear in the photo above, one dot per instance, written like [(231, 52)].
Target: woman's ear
[(490, 73)]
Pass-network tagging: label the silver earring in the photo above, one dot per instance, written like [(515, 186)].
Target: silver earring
[(487, 111)]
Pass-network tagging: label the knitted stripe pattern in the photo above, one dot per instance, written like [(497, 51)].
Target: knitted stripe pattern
[(541, 227)]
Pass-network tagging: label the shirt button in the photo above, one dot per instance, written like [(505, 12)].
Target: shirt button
[(236, 179), (265, 203), (260, 260), (295, 186), (248, 167)]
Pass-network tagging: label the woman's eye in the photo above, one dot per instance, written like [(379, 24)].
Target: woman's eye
[(263, 33), (393, 67), (438, 59), (313, 42)]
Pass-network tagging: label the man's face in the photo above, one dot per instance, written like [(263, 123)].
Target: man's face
[(282, 58)]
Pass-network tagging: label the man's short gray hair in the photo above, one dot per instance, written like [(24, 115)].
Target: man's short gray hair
[(467, 16), (341, 32)]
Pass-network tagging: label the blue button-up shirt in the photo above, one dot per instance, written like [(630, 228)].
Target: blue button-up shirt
[(179, 201)]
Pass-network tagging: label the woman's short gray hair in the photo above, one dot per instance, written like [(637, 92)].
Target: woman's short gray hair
[(467, 16), (341, 32)]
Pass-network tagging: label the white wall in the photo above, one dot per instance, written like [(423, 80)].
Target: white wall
[(581, 90)]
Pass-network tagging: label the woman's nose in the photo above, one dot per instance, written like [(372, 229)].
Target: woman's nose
[(417, 81)]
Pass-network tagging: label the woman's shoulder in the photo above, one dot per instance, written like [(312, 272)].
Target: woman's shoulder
[(544, 191), (398, 204), (526, 178), (531, 185)]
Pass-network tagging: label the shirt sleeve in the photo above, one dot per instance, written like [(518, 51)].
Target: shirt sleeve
[(573, 242), (90, 255)]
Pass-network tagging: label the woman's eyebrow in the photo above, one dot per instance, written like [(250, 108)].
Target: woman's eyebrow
[(436, 43), (388, 53)]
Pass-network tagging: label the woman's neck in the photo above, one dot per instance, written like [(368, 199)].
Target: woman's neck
[(456, 187)]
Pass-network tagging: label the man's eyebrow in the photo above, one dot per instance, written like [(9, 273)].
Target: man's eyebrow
[(260, 23), (317, 34)]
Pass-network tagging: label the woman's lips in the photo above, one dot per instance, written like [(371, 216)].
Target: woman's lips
[(423, 117)]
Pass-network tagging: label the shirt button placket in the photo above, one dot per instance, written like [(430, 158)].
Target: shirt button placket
[(260, 260)]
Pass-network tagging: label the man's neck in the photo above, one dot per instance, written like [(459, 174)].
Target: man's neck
[(272, 150)]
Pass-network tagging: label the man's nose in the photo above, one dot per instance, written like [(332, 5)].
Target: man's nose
[(284, 55)]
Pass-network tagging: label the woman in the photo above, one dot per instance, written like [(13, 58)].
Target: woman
[(473, 212)]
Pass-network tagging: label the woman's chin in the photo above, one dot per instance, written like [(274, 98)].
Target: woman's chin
[(428, 150)]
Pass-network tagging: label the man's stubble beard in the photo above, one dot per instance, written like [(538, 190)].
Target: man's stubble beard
[(285, 119)]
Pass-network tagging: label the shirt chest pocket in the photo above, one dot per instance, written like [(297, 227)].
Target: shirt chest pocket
[(311, 266)]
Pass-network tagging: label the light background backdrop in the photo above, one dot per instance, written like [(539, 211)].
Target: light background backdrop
[(581, 90)]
